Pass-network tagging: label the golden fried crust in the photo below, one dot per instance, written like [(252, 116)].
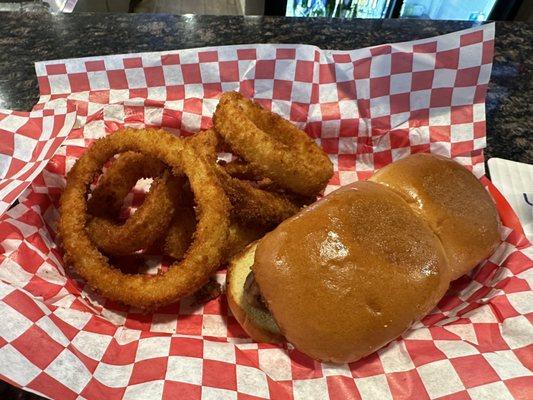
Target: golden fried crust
[(252, 205), (147, 225), (180, 234), (108, 196), (272, 145), (242, 170), (210, 239), (257, 206)]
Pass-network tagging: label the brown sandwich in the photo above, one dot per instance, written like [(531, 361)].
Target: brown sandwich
[(352, 272)]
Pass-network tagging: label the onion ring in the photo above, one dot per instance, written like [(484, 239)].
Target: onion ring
[(181, 231), (147, 225), (251, 204), (272, 145), (152, 219), (241, 170), (107, 197), (207, 142), (210, 239), (180, 234), (240, 236), (243, 230)]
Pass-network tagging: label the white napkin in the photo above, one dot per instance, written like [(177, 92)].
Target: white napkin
[(515, 181)]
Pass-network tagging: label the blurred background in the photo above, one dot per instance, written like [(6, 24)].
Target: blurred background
[(472, 10)]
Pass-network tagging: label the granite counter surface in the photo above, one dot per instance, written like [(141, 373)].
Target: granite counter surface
[(34, 36)]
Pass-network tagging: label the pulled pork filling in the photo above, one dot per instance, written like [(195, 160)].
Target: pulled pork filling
[(252, 293)]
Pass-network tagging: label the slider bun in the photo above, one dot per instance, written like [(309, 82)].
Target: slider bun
[(257, 323), (392, 271), (452, 201)]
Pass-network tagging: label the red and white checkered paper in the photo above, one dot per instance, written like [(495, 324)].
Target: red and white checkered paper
[(27, 142), (366, 108)]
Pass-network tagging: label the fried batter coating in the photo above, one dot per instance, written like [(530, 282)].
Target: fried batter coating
[(210, 240), (272, 145), (147, 225), (107, 197), (180, 234), (240, 169), (252, 205)]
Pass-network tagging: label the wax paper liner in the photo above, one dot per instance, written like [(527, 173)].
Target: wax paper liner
[(366, 108)]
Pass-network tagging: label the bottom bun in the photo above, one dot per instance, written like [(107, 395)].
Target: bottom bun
[(257, 322)]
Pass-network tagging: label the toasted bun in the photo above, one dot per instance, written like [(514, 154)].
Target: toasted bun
[(350, 273), (258, 323), (452, 201)]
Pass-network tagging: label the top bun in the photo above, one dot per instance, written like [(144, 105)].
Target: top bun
[(452, 201), (351, 272)]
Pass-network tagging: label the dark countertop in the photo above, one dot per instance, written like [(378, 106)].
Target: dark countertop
[(35, 36)]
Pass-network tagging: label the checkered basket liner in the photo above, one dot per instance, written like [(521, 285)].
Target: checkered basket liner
[(27, 142), (366, 108)]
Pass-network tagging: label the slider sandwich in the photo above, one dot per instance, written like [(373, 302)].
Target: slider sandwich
[(353, 271)]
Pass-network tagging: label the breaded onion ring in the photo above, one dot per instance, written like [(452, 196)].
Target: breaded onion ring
[(242, 170), (251, 204), (179, 235), (272, 145), (151, 220), (207, 142), (210, 238), (147, 225), (108, 196), (241, 236), (181, 231)]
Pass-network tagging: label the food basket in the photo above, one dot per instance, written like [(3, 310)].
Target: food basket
[(366, 108)]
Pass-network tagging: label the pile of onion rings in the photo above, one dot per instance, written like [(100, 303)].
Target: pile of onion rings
[(199, 211)]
